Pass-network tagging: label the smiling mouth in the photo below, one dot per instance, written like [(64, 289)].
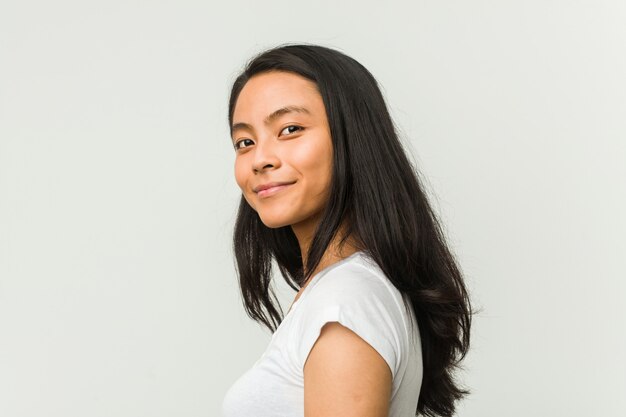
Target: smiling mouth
[(273, 190)]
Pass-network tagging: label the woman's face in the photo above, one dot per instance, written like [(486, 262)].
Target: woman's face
[(281, 135)]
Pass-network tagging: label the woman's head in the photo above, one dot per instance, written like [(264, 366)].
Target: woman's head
[(361, 133), (281, 136), (354, 183)]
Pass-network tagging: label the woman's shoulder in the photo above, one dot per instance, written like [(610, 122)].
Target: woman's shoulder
[(358, 288), (359, 277), (359, 296)]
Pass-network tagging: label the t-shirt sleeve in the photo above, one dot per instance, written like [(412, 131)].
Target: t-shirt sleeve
[(360, 301)]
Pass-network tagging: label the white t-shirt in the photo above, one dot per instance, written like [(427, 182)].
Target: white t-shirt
[(355, 293)]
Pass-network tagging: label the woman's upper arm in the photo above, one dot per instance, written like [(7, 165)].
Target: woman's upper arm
[(345, 376)]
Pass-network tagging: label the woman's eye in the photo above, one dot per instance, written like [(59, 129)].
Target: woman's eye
[(237, 144), (291, 129)]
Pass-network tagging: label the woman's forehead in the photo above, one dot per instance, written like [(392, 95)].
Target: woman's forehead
[(276, 93)]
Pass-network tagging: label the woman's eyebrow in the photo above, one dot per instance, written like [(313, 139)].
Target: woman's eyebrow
[(285, 110), (272, 116)]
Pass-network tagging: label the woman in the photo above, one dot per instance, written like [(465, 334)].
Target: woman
[(329, 195)]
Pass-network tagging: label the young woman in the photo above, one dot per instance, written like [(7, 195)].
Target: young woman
[(382, 316)]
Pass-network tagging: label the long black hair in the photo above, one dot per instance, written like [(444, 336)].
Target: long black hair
[(377, 192)]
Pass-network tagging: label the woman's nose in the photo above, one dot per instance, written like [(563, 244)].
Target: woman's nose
[(265, 156)]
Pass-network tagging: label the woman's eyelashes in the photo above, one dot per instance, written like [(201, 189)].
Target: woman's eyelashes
[(292, 131), (240, 141)]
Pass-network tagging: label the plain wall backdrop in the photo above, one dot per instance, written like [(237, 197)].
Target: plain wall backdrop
[(118, 292)]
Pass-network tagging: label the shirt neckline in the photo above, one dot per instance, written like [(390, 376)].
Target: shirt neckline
[(319, 275), (314, 280)]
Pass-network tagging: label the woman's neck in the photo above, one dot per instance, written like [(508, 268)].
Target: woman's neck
[(304, 232)]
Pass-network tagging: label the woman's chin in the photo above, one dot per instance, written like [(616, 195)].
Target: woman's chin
[(274, 222)]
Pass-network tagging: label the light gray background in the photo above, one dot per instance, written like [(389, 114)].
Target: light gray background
[(118, 295)]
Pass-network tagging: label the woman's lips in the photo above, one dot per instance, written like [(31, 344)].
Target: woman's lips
[(271, 191)]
